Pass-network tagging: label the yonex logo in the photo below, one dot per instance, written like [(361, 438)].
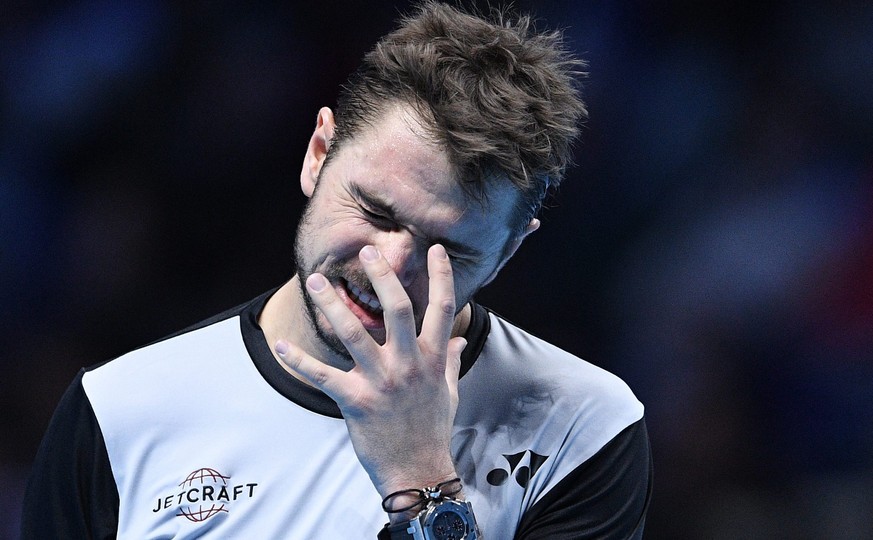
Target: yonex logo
[(204, 493), (498, 477)]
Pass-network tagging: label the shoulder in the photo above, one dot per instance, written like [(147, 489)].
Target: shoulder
[(524, 369), (191, 370), (538, 428), (71, 466), (197, 349)]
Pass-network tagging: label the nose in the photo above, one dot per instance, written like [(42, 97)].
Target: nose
[(406, 254)]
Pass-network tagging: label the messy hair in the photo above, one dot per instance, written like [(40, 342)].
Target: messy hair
[(500, 97)]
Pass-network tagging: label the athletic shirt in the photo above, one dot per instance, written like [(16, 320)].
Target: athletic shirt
[(204, 435)]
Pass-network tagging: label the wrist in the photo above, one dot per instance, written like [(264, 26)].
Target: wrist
[(406, 515), (441, 517), (404, 505), (414, 478)]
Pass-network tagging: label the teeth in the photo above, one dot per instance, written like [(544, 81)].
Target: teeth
[(364, 298)]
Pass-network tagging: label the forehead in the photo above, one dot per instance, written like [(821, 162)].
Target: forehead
[(396, 159)]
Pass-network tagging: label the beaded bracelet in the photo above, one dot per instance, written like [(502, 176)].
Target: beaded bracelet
[(424, 495)]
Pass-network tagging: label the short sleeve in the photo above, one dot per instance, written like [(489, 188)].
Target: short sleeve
[(71, 492), (606, 497)]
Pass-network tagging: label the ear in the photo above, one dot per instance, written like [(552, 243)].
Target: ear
[(512, 247), (316, 152)]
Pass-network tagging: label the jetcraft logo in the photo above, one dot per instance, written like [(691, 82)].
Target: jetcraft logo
[(204, 493)]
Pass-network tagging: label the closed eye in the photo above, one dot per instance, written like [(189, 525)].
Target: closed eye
[(382, 215), (380, 220), (460, 260)]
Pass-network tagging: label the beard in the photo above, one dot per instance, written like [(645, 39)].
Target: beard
[(327, 338)]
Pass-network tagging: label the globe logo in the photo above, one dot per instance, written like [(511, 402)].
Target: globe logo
[(202, 488)]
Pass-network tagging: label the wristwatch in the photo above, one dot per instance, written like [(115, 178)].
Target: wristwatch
[(441, 519)]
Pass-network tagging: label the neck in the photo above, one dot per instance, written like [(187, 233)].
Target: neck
[(284, 317)]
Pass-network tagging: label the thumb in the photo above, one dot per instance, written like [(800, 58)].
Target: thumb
[(455, 347)]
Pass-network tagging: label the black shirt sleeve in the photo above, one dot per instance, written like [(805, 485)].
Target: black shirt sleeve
[(606, 497), (71, 492)]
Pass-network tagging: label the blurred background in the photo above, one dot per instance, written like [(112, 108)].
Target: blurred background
[(713, 247)]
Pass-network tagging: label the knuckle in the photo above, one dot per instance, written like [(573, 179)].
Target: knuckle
[(388, 384), (381, 271), (353, 332), (415, 373), (295, 360), (403, 308), (445, 270), (319, 377), (399, 381), (358, 402), (447, 306), (323, 301)]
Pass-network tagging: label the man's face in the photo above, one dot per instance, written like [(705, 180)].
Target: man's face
[(393, 189)]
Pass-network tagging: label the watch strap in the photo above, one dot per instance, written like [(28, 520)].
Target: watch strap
[(418, 528), (398, 531)]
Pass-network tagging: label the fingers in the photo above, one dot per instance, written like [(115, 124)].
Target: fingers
[(440, 314), (345, 325), (453, 367), (397, 311), (318, 374), (453, 360), (397, 308)]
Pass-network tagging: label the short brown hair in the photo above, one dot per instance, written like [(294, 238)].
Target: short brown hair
[(500, 97)]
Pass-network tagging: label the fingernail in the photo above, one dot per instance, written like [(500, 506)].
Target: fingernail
[(316, 282), (281, 348), (439, 251), (369, 253)]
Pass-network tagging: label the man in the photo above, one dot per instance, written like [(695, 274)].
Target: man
[(371, 388)]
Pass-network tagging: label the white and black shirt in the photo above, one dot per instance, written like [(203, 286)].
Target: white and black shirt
[(203, 434)]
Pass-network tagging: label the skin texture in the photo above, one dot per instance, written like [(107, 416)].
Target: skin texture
[(387, 215)]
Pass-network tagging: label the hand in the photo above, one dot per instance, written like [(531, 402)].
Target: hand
[(400, 398)]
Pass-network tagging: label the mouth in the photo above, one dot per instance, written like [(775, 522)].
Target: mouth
[(365, 305), (366, 300)]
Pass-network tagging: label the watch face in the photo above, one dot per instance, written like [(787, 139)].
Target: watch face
[(450, 520), (449, 526)]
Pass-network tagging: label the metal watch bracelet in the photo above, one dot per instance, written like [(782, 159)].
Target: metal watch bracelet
[(441, 519)]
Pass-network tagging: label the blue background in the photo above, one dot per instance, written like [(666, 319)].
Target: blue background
[(714, 245)]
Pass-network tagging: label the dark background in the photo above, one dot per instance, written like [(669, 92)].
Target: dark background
[(714, 246)]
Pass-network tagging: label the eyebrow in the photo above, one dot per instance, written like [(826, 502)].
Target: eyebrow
[(376, 202)]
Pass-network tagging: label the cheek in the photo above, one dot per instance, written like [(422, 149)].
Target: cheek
[(331, 229), (468, 282), (338, 244)]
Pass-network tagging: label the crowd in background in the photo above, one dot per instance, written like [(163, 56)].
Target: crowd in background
[(713, 246)]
